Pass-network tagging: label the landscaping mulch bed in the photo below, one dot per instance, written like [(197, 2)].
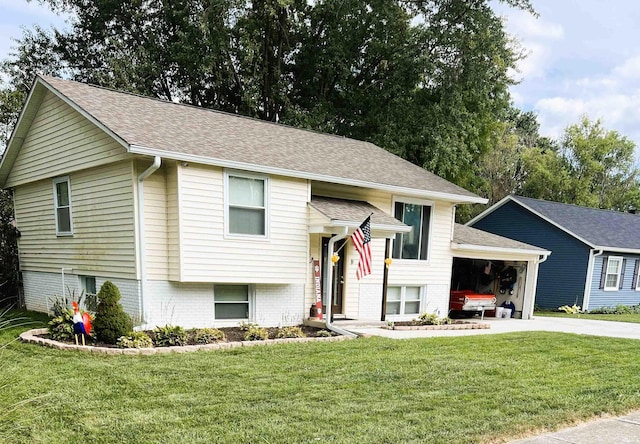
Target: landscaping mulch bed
[(454, 325)]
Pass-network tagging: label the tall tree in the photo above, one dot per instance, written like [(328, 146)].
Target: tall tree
[(593, 167)]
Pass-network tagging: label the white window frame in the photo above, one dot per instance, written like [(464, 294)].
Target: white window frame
[(227, 204), (403, 300), (250, 303), (57, 181), (413, 201), (619, 260), (84, 284), (636, 277)]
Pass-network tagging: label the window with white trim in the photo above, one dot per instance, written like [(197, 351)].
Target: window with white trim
[(415, 244), (613, 272), (246, 205), (231, 302), (89, 285), (62, 206), (403, 300)]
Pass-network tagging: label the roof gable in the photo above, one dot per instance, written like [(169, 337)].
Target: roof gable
[(155, 127), (602, 229)]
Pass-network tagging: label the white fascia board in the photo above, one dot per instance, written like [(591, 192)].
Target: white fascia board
[(376, 227), (617, 250), (455, 198), (481, 248), (15, 142)]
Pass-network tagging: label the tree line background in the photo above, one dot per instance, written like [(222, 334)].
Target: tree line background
[(425, 79)]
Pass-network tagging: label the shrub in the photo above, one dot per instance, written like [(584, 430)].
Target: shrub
[(255, 333), (290, 332), (135, 339), (574, 309), (324, 333), (170, 335), (61, 326), (245, 326), (207, 335), (429, 318), (111, 321)]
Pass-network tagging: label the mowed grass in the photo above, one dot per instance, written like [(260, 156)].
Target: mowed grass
[(626, 317), (487, 388)]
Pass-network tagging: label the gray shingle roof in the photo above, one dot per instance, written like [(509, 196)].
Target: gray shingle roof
[(173, 129), (352, 210), (601, 228), (463, 234)]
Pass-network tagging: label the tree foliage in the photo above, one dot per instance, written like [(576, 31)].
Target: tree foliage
[(592, 167)]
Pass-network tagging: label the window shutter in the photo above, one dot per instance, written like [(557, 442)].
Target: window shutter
[(603, 275), (424, 241), (634, 284), (624, 265)]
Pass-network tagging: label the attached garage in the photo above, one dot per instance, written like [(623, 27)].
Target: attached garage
[(490, 264)]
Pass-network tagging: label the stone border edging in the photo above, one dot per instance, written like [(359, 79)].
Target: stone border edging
[(31, 337), (441, 327)]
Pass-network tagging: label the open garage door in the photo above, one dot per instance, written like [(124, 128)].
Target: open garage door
[(489, 264)]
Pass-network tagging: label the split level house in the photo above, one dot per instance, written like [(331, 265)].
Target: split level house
[(204, 218), (596, 253)]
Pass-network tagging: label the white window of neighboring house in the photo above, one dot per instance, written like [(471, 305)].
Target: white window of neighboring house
[(231, 302), (246, 205), (403, 300), (62, 205), (415, 244), (614, 270)]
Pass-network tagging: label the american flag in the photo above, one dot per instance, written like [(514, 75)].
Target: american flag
[(361, 239)]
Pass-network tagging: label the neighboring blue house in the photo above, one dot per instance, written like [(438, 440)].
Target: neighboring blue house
[(596, 253)]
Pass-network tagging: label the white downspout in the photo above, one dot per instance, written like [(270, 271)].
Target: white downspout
[(63, 286), (142, 309), (328, 290), (588, 281)]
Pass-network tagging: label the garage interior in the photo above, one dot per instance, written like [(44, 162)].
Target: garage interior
[(504, 279)]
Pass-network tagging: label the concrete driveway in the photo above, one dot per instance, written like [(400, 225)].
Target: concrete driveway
[(540, 323)]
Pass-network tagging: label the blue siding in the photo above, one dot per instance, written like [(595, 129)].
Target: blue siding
[(562, 276), (627, 295)]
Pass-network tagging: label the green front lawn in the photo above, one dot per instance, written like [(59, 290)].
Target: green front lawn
[(627, 317), (485, 388)]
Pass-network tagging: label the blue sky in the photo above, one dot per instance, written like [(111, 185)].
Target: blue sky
[(583, 58)]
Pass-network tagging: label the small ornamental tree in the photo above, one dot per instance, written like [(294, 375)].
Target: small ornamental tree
[(111, 321)]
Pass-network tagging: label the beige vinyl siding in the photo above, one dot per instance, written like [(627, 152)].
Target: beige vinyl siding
[(155, 223), (379, 199), (208, 256), (103, 240), (173, 222), (59, 141)]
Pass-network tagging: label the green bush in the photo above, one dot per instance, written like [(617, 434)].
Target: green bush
[(324, 333), (618, 309), (111, 321), (255, 333), (429, 318), (207, 335), (135, 339), (290, 332), (169, 335), (61, 326)]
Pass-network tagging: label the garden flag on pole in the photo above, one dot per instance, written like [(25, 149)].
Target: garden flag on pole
[(361, 239)]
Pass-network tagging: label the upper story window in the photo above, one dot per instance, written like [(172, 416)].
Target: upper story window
[(246, 208), (613, 273), (62, 205), (415, 244)]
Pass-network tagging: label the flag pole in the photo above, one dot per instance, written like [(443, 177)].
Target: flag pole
[(349, 238)]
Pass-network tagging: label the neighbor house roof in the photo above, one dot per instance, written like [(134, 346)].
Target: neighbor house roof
[(601, 229), (155, 127), (465, 237)]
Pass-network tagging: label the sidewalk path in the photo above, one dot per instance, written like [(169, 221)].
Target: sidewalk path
[(540, 323), (622, 430)]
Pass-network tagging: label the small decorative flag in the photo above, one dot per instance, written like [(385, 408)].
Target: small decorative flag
[(361, 239)]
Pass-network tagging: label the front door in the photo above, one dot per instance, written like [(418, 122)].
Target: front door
[(338, 274)]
